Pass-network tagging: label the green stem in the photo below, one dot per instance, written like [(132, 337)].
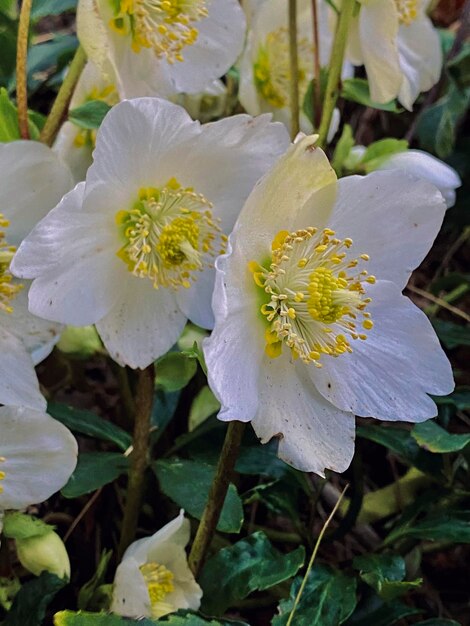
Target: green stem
[(334, 70), (316, 92), (61, 103), (216, 498), (21, 68), (294, 69), (139, 456)]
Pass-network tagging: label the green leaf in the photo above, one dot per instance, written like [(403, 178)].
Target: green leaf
[(251, 564), (459, 67), (388, 614), (434, 438), (460, 399), (343, 148), (164, 407), (80, 342), (43, 57), (86, 593), (385, 574), (41, 8), (174, 371), (29, 605), (328, 599), (452, 335), (262, 460), (307, 104), (379, 151), (89, 115), (88, 423), (204, 405), (94, 469), (437, 621), (18, 525), (9, 587), (439, 526), (9, 129), (82, 618), (187, 483), (357, 90)]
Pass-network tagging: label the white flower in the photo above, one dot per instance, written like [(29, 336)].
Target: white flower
[(75, 145), (153, 578), (399, 47), (37, 457), (33, 181), (265, 74), (305, 337), (132, 249), (161, 48), (424, 165)]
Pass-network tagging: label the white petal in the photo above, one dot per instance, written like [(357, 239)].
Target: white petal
[(195, 302), (33, 182), (142, 325), (18, 382), (130, 594), (40, 456), (177, 532), (92, 33), (420, 58), (378, 29), (78, 158), (424, 165), (389, 375), (313, 433), (391, 216)]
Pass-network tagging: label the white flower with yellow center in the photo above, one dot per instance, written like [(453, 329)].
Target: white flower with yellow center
[(265, 75), (37, 457), (399, 47), (133, 248), (75, 145), (161, 47), (153, 578), (33, 181), (311, 325)]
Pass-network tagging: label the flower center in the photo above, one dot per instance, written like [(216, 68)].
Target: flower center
[(407, 11), (8, 289), (166, 26), (87, 136), (159, 582), (2, 474), (169, 234), (271, 70), (316, 295)]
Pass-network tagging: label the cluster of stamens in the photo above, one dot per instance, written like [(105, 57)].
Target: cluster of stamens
[(165, 26), (87, 136), (2, 474), (317, 295), (159, 582), (170, 234), (271, 70), (8, 289), (407, 11)]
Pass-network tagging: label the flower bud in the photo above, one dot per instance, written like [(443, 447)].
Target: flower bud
[(44, 553)]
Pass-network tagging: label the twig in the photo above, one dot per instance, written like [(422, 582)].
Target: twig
[(21, 68), (442, 303), (294, 69)]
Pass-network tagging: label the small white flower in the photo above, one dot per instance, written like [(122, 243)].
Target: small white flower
[(399, 47), (33, 181), (423, 165), (265, 74), (37, 457), (311, 325), (161, 48), (153, 578), (75, 145), (133, 248)]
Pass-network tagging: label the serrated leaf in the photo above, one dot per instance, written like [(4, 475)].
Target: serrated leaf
[(452, 335), (89, 115), (29, 605), (174, 371), (439, 526), (357, 90), (188, 482), (88, 423), (328, 599), (251, 564), (434, 438), (385, 574), (94, 470), (19, 526)]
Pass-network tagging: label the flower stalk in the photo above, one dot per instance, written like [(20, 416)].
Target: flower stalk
[(21, 68), (334, 70), (316, 92), (294, 69), (61, 103), (139, 456), (216, 498)]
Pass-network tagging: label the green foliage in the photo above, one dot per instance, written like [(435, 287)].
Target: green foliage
[(50, 56), (385, 574), (357, 90), (446, 525), (174, 371), (204, 405), (94, 470), (187, 483), (378, 613), (9, 129), (378, 152), (29, 605), (89, 115), (71, 618), (89, 589), (432, 437), (41, 8), (329, 598), (451, 334), (251, 564), (19, 526), (80, 342), (342, 149), (87, 423)]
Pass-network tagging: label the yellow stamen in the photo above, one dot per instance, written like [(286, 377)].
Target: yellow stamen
[(159, 582), (8, 289), (407, 11)]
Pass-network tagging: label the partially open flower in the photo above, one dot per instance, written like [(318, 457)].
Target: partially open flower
[(311, 325), (154, 578), (133, 249), (161, 48)]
